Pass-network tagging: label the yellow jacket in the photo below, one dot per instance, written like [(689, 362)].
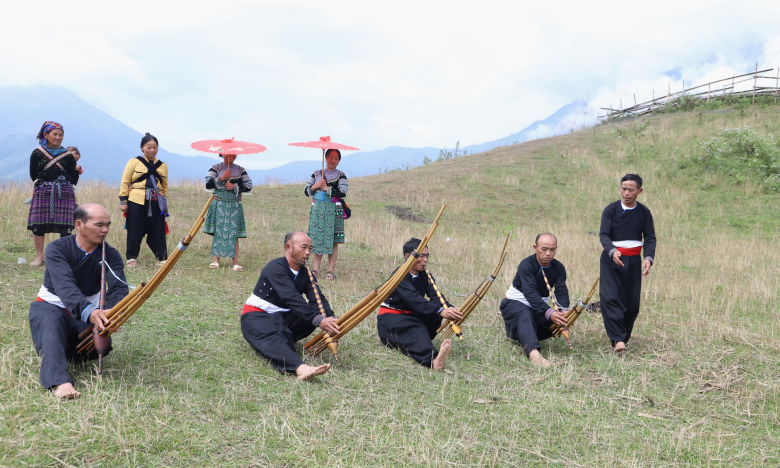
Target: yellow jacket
[(136, 192)]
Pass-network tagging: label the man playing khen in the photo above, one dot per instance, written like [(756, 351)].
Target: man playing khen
[(67, 301), (626, 228), (408, 321), (527, 315), (276, 316)]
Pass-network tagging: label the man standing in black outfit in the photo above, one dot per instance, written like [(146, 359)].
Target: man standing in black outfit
[(408, 321), (276, 316), (626, 228), (527, 314)]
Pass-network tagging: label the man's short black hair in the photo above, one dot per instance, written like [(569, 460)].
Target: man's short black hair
[(288, 237), (634, 177), (536, 241), (80, 214), (411, 245)]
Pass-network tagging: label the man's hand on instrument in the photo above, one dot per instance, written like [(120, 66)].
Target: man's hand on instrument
[(329, 326), (451, 313), (98, 318), (646, 265), (558, 319), (616, 258)]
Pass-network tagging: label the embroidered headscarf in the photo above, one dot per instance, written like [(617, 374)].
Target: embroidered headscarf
[(48, 126)]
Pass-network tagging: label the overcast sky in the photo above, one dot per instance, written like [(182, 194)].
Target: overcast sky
[(371, 74)]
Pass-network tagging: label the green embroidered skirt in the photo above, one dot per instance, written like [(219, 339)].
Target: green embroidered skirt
[(225, 221), (326, 226)]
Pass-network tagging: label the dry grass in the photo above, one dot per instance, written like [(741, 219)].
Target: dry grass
[(699, 387)]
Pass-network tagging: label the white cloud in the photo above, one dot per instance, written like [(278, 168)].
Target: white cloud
[(372, 74)]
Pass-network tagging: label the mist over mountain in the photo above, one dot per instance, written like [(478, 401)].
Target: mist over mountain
[(105, 143), (568, 118)]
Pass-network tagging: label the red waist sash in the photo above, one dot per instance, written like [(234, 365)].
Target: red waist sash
[(38, 299), (630, 251), (250, 308), (387, 310)]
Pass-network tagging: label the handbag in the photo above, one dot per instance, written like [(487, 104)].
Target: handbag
[(161, 200), (346, 208)]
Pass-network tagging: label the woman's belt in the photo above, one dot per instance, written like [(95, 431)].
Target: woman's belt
[(388, 310), (321, 195)]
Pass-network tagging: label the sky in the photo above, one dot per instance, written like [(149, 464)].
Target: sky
[(371, 74)]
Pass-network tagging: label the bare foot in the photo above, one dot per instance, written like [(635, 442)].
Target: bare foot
[(37, 262), (444, 352), (66, 391), (132, 263), (536, 359), (620, 347), (306, 372)]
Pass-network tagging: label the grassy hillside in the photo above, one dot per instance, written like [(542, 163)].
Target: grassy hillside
[(699, 386)]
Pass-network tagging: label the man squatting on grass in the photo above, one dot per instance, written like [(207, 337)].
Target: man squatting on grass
[(527, 316), (67, 302), (624, 224), (275, 316), (408, 321)]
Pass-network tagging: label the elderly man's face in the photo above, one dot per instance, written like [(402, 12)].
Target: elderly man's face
[(298, 250), (95, 228), (545, 249)]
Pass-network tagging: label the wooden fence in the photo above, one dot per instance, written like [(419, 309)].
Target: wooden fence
[(703, 92)]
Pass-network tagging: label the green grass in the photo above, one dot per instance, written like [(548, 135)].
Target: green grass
[(183, 388)]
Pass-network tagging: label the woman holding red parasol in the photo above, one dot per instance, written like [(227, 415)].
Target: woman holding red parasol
[(327, 187), (326, 218), (225, 217)]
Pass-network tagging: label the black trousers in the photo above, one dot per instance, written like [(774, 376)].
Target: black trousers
[(411, 333), (525, 325), (140, 224), (274, 336), (55, 336), (620, 290)]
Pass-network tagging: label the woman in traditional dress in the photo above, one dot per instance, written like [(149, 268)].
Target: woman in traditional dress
[(143, 180), (326, 220), (54, 173), (225, 218)]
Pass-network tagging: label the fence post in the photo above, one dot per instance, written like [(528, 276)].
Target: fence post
[(755, 82)]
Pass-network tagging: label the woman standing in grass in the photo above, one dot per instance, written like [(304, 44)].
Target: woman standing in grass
[(54, 172), (143, 180), (326, 219), (225, 218)]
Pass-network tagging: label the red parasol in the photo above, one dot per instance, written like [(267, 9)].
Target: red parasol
[(228, 146), (325, 144)]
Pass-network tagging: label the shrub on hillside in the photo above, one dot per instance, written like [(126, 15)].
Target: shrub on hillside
[(743, 154)]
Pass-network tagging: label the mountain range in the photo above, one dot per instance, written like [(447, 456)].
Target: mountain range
[(106, 144)]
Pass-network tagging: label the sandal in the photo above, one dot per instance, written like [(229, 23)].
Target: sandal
[(214, 265), (132, 263), (330, 276), (237, 268)]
